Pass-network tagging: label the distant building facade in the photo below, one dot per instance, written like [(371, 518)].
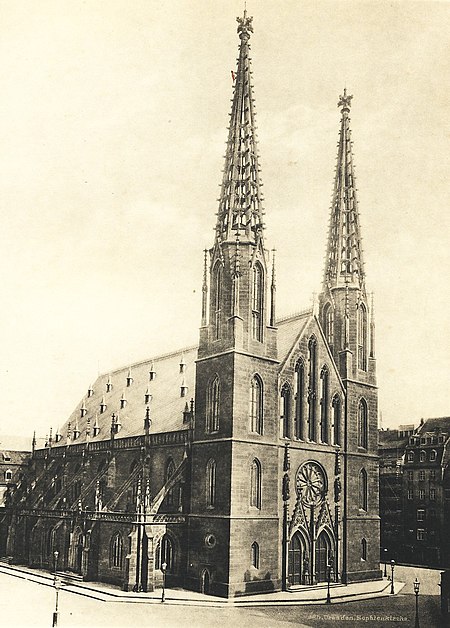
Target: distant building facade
[(248, 463), (415, 493), (13, 466)]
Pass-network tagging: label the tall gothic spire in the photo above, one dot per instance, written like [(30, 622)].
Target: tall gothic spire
[(240, 203), (344, 262)]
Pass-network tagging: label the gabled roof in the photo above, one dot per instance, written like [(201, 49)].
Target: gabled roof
[(166, 404), (439, 424), (289, 329)]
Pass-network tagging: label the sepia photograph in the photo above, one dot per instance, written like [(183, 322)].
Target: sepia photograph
[(225, 350)]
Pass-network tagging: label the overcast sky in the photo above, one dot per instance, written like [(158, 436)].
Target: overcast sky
[(112, 131)]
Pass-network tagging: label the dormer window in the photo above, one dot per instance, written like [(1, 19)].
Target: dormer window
[(183, 389), (152, 373), (182, 364), (6, 456), (76, 432), (129, 378), (109, 385), (90, 391), (147, 397), (123, 402), (8, 475), (83, 410), (96, 429), (102, 406)]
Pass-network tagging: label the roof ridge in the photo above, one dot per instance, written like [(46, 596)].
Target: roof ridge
[(294, 315), (150, 360)]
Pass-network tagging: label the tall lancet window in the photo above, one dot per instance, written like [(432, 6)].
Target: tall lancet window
[(257, 302), (217, 299), (285, 411), (213, 406), (312, 389), (328, 324), (362, 337), (299, 395), (324, 431), (255, 484), (362, 424), (211, 483), (336, 427), (256, 405)]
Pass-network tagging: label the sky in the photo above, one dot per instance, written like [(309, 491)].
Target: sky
[(112, 131)]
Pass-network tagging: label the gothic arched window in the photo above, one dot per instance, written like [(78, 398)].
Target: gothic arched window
[(257, 302), (299, 395), (255, 555), (212, 406), (328, 324), (211, 483), (164, 553), (363, 549), (362, 424), (116, 551), (336, 428), (324, 431), (256, 405), (362, 337), (255, 484), (363, 489), (285, 411), (217, 299), (312, 389)]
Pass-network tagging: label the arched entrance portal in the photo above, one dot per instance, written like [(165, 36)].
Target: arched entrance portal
[(77, 547), (323, 555), (297, 560)]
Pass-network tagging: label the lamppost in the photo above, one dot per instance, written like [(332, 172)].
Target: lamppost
[(416, 585), (56, 583), (385, 561), (163, 594), (329, 567), (392, 576)]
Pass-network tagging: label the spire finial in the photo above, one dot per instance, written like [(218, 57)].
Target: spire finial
[(345, 102), (245, 25)]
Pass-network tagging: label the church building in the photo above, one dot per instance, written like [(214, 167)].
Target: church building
[(247, 463)]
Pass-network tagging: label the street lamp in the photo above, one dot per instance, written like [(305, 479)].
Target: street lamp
[(329, 567), (416, 585), (385, 561), (392, 576), (164, 569), (57, 584)]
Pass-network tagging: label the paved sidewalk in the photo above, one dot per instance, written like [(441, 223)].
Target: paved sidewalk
[(300, 596)]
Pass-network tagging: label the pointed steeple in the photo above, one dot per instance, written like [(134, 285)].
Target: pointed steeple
[(240, 203), (344, 261)]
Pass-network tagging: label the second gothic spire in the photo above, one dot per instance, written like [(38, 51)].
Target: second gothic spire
[(344, 263), (240, 205)]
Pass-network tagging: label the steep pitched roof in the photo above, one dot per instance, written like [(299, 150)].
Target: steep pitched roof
[(439, 424), (289, 329), (166, 404)]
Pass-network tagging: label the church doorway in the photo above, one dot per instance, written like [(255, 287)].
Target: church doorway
[(323, 555), (297, 560), (205, 581), (77, 546)]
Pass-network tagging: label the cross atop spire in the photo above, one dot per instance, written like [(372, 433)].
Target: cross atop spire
[(240, 202), (344, 262)]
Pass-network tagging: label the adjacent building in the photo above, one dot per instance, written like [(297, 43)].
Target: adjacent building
[(415, 493), (249, 462)]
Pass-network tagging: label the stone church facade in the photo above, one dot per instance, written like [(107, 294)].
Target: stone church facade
[(247, 463)]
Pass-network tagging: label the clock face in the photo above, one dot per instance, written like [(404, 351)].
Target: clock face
[(310, 483)]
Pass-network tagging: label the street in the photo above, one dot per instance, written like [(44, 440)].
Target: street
[(27, 604)]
